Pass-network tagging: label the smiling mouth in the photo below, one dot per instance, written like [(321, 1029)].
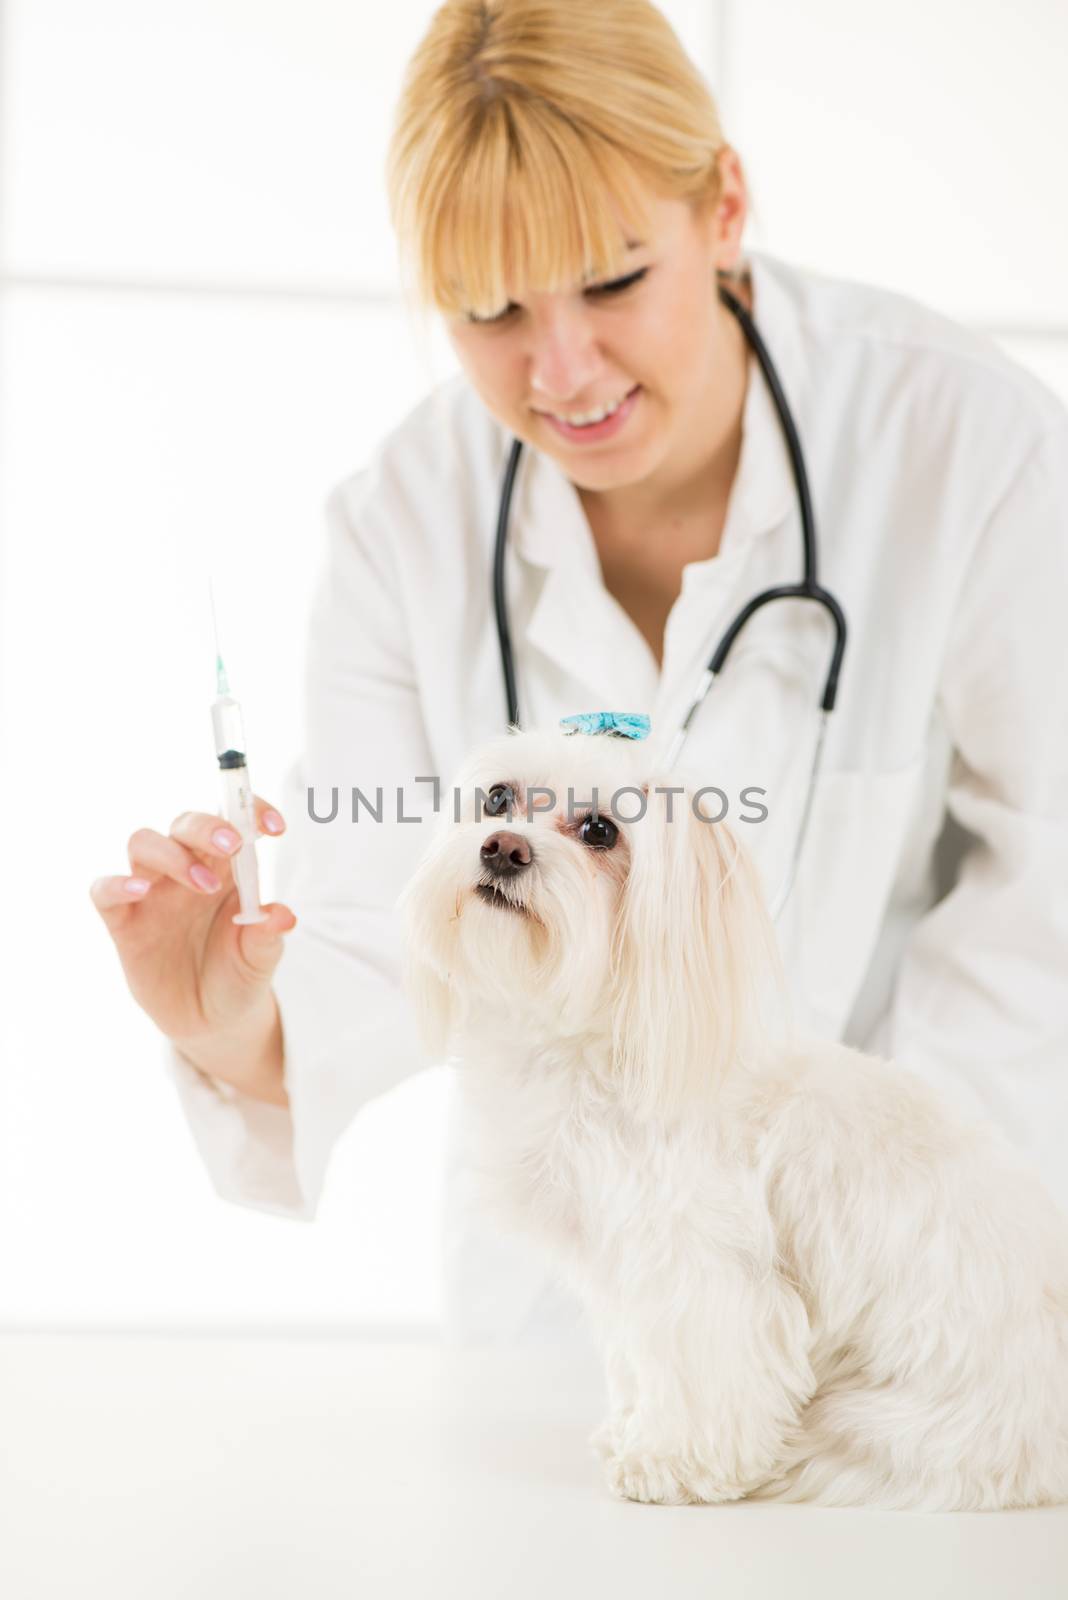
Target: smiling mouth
[(582, 419), (493, 896)]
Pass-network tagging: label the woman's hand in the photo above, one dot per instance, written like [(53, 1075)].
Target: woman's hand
[(198, 975)]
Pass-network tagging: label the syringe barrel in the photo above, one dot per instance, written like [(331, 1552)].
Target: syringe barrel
[(239, 808), (229, 729)]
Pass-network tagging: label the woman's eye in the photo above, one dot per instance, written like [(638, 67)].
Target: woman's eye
[(500, 798), (618, 284), (599, 833), (488, 322)]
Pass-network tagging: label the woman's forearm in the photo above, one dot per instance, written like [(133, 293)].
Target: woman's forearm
[(251, 1061)]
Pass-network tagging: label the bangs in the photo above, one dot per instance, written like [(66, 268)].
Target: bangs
[(529, 137), (533, 204)]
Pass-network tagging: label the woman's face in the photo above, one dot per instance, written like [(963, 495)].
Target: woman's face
[(651, 346)]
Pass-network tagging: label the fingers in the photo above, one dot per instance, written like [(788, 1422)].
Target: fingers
[(155, 855), (278, 920), (213, 836), (262, 943), (268, 819), (192, 854), (108, 894)]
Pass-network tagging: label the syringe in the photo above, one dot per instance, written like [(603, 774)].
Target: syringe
[(238, 805)]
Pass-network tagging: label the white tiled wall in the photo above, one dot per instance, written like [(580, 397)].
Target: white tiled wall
[(199, 335), (918, 145)]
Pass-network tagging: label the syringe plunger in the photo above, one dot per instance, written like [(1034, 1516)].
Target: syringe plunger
[(239, 805)]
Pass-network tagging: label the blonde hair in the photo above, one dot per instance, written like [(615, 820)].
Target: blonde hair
[(520, 123)]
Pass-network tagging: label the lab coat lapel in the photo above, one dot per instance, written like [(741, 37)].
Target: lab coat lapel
[(761, 541), (744, 734)]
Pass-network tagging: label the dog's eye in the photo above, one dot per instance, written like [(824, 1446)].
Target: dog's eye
[(598, 832), (499, 799)]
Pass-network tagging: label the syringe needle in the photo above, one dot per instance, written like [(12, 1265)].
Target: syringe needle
[(222, 684), (239, 807)]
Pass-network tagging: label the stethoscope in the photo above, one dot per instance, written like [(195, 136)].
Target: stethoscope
[(808, 589)]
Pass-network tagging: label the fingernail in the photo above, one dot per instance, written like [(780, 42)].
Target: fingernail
[(225, 839), (136, 885), (273, 822), (203, 878)]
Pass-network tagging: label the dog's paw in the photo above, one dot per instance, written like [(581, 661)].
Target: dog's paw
[(665, 1480), (654, 1480)]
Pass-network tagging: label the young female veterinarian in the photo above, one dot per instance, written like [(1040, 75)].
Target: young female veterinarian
[(559, 179)]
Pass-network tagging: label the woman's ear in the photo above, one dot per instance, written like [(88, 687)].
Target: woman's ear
[(692, 943)]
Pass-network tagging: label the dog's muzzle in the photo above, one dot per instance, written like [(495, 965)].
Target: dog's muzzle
[(505, 857)]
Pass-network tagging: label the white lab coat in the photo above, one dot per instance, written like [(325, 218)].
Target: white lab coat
[(929, 920)]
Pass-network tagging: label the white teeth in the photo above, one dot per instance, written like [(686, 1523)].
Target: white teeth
[(582, 419)]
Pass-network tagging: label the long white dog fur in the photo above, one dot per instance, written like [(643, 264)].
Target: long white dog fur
[(811, 1278)]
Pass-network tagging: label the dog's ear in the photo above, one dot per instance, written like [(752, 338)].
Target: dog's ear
[(423, 915), (693, 945), (431, 1001)]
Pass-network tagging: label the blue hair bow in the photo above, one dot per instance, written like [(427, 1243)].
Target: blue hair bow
[(622, 724)]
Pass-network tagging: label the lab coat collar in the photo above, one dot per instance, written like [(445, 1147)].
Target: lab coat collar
[(549, 525)]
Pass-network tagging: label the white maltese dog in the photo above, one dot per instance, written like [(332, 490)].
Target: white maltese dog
[(811, 1279)]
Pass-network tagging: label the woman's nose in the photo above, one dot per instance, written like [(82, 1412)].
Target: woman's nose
[(563, 358)]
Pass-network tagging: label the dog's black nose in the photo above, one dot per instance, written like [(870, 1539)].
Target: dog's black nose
[(505, 854)]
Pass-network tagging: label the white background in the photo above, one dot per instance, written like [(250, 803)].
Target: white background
[(200, 333)]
